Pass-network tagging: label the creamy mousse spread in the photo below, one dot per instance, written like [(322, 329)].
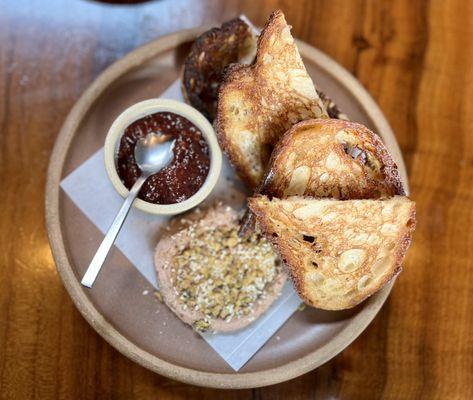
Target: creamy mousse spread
[(215, 275), (222, 275)]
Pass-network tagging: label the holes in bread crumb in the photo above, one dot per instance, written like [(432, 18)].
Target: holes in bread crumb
[(313, 241), (275, 235), (355, 152), (361, 155), (308, 238), (311, 263)]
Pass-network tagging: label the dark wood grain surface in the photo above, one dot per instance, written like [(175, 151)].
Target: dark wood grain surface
[(414, 57)]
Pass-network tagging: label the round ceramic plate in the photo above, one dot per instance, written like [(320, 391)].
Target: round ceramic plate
[(116, 307)]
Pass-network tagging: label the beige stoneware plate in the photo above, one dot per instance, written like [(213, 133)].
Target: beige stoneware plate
[(115, 307)]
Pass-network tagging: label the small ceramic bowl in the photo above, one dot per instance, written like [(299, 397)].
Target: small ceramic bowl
[(149, 107)]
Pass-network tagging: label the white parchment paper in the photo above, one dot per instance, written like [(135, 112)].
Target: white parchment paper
[(89, 188)]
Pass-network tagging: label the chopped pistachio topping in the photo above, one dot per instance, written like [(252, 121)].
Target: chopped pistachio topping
[(158, 295), (221, 275), (201, 325)]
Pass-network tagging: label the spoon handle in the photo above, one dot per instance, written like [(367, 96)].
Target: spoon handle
[(102, 252)]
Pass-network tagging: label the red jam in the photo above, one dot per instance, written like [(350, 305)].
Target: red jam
[(184, 176)]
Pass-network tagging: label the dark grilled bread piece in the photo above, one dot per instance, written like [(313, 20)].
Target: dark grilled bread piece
[(210, 54)]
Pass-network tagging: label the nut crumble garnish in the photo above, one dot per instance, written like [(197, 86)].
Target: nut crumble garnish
[(158, 295), (201, 325), (221, 275)]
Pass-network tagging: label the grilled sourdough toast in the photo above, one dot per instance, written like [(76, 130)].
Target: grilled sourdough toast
[(258, 103), (338, 252), (331, 158), (210, 54)]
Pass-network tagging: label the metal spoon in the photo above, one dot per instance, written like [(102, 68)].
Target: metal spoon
[(152, 154)]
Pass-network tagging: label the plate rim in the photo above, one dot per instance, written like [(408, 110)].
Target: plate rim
[(86, 307)]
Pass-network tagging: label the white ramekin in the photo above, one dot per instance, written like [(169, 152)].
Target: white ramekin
[(147, 107)]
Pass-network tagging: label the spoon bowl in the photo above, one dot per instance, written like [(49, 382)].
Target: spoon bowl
[(154, 152)]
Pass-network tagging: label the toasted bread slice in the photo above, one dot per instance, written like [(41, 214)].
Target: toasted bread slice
[(258, 103), (210, 54), (203, 279), (338, 252), (331, 158)]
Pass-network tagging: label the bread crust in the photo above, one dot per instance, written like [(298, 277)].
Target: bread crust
[(258, 103), (224, 140), (385, 184), (210, 54), (357, 183), (292, 260)]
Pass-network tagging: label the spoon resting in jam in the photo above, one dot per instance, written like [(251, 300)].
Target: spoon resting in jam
[(152, 154)]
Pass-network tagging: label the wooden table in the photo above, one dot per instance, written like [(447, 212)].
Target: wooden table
[(415, 58)]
